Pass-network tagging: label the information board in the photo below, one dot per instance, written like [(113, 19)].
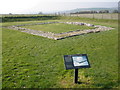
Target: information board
[(76, 61)]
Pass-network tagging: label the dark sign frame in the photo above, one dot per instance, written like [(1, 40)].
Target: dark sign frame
[(68, 61)]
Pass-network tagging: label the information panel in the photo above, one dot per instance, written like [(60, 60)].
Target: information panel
[(76, 61)]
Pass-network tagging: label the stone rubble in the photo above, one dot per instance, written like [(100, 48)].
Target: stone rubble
[(36, 24), (98, 28)]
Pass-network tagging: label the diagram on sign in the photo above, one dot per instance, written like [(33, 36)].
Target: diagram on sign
[(79, 60)]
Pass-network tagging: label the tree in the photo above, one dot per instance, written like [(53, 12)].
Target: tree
[(115, 11), (93, 11), (104, 11)]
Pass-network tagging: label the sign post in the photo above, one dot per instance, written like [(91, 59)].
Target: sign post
[(76, 76), (75, 62)]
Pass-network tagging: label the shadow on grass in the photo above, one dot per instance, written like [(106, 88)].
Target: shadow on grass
[(79, 82), (82, 82)]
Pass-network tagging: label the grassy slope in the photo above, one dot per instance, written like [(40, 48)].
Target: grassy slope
[(57, 27), (36, 62)]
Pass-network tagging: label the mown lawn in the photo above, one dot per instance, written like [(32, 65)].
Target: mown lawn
[(31, 61), (58, 27)]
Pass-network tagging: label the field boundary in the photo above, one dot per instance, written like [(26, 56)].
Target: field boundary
[(97, 16)]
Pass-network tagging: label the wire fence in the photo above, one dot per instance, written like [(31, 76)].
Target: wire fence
[(96, 16)]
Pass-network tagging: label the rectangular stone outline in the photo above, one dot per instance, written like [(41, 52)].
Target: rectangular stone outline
[(60, 36)]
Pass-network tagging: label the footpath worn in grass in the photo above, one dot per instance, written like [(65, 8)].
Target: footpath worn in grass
[(58, 27), (31, 61)]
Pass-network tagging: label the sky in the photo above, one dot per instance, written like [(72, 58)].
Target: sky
[(35, 6)]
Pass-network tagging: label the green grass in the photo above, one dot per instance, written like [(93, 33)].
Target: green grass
[(0, 56), (57, 27), (36, 62), (25, 22)]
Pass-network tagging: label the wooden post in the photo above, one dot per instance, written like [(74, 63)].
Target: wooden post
[(102, 15), (93, 15), (76, 76)]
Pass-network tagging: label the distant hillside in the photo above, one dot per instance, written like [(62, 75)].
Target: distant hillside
[(89, 9)]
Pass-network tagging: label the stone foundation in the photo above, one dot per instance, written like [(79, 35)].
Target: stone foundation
[(98, 28)]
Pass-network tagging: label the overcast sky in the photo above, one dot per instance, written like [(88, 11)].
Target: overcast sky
[(34, 6)]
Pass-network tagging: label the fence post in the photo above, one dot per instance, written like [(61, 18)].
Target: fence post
[(93, 15), (102, 16), (111, 15)]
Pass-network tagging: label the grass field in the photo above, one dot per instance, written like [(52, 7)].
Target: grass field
[(31, 61), (57, 27)]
